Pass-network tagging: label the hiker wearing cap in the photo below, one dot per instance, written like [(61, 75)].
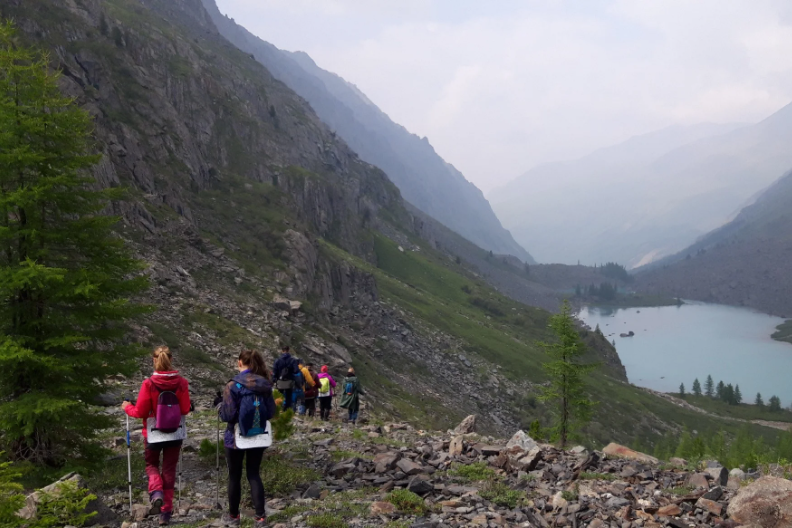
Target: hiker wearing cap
[(350, 397), (312, 392), (326, 386), (163, 400), (246, 406)]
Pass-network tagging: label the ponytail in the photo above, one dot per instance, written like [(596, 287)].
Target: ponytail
[(254, 362), (162, 359)]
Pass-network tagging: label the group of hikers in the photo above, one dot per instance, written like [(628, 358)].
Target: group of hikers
[(246, 404)]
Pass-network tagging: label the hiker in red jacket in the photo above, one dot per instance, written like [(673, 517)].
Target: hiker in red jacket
[(160, 483)]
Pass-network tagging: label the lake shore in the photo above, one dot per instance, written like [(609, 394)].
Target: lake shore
[(783, 332)]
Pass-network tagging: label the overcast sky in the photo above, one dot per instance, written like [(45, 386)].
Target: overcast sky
[(500, 86)]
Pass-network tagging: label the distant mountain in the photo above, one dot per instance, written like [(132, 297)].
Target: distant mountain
[(648, 197), (745, 263), (422, 176)]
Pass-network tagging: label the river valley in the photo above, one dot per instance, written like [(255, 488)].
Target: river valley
[(677, 344)]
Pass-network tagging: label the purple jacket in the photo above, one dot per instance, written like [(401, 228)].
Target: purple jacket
[(332, 382), (229, 409)]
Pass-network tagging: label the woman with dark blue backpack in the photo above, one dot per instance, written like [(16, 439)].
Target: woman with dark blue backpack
[(246, 408)]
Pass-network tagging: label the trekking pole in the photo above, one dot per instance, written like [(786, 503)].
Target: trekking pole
[(217, 467), (178, 501), (129, 464)]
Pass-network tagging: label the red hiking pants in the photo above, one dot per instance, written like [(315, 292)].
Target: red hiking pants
[(165, 480)]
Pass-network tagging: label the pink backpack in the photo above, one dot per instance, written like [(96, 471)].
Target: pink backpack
[(167, 413)]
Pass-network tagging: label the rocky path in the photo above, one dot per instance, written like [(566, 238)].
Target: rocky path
[(330, 474)]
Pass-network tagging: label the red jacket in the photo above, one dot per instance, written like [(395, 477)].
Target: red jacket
[(146, 404)]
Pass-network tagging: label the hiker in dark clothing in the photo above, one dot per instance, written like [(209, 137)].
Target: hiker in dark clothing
[(251, 382), (284, 372), (350, 397)]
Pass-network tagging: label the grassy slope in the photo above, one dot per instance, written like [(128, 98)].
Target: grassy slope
[(430, 286), (742, 411)]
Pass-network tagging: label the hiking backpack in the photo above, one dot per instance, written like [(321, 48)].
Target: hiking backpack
[(349, 388), (324, 387), (253, 412), (167, 414)]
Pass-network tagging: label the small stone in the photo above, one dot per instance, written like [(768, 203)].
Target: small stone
[(457, 446), (409, 467), (711, 506), (313, 492), (672, 510), (139, 512), (714, 494), (698, 480), (382, 508), (420, 486)]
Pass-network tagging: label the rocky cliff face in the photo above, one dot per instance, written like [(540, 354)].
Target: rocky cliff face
[(423, 177)]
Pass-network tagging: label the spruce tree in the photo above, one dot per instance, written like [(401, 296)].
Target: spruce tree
[(737, 395), (65, 277), (728, 394), (570, 406), (696, 387), (759, 402), (719, 391), (682, 390), (709, 387), (774, 404)]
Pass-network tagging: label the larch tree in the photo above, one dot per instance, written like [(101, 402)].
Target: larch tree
[(709, 387), (696, 387), (65, 276), (569, 403)]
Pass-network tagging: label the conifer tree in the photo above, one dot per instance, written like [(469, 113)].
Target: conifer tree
[(719, 391), (696, 387), (774, 404), (759, 402), (64, 274), (682, 390), (570, 405), (737, 395), (709, 387)]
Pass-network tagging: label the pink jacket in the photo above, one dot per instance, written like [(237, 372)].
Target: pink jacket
[(332, 381)]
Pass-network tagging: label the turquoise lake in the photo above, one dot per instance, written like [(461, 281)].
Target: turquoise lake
[(677, 344)]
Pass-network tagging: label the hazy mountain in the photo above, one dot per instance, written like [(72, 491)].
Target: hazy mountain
[(648, 197), (746, 262), (422, 176)]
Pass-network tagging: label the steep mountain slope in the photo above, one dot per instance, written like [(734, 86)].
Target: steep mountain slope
[(648, 197), (260, 227), (746, 262), (423, 177)]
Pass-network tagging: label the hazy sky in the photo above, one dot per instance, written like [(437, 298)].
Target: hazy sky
[(499, 86)]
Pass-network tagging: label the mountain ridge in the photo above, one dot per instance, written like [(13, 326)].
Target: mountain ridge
[(424, 178)]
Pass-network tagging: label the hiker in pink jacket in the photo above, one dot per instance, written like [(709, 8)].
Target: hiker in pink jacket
[(326, 386)]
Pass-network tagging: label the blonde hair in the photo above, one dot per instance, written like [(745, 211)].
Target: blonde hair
[(162, 359)]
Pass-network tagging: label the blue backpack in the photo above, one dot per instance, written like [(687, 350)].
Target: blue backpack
[(349, 388), (254, 412)]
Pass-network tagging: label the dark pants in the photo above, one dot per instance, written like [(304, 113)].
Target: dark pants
[(310, 406), (288, 398), (164, 480), (234, 458), (325, 403), (353, 415)]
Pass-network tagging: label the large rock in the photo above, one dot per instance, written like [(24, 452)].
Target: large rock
[(619, 451), (104, 515), (466, 426), (766, 502), (409, 467), (521, 440), (457, 446)]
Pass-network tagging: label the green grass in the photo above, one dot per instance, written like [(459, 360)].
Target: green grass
[(406, 501), (784, 332), (499, 493), (598, 476), (281, 476), (475, 472), (326, 520), (742, 411)]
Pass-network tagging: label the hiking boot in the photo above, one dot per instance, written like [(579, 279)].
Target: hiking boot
[(156, 498), (229, 521), (165, 518), (261, 522)]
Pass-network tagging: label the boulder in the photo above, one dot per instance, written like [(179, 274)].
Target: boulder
[(104, 514), (619, 451), (409, 467), (737, 473), (420, 486), (457, 446), (521, 440), (281, 303), (529, 461), (765, 502), (719, 474), (672, 510), (678, 462), (698, 480), (715, 508), (466, 426)]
